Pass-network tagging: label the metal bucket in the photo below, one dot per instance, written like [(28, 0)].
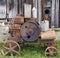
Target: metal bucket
[(45, 25)]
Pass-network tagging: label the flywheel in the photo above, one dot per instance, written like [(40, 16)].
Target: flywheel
[(30, 31)]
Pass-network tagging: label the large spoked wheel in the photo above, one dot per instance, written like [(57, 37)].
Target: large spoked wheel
[(51, 51), (11, 48)]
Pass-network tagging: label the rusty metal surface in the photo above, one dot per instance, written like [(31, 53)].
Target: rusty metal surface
[(15, 30), (10, 48), (15, 38), (30, 31), (18, 19), (51, 51), (34, 20)]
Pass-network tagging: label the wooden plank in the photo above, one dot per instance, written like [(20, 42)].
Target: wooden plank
[(53, 13), (39, 12), (3, 9), (57, 14), (11, 8)]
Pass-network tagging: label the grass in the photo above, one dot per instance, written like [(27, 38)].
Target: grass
[(32, 51)]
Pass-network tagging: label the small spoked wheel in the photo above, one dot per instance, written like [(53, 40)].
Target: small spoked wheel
[(51, 51), (11, 48)]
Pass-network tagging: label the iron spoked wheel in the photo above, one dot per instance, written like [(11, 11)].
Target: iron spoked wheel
[(51, 51), (11, 48)]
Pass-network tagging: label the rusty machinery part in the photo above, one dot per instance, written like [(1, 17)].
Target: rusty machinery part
[(16, 39), (30, 31), (18, 19), (51, 51), (34, 20), (15, 30), (10, 48)]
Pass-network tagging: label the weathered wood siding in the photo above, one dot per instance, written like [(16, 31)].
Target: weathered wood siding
[(57, 14), (53, 13), (19, 8), (39, 12), (11, 13), (35, 4)]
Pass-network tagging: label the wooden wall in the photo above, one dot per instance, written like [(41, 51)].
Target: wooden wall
[(19, 8)]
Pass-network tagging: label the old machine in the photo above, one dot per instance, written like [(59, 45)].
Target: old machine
[(29, 31)]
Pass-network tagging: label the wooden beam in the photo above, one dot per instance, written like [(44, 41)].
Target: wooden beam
[(42, 7)]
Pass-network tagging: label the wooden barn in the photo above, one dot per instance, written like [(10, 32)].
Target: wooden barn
[(10, 8)]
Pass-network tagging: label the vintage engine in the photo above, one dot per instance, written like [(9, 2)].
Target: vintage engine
[(28, 31)]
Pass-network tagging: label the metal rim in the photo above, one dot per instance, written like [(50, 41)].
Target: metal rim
[(51, 51), (10, 48)]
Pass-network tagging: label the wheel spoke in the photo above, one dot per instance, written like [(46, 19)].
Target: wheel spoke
[(12, 55), (47, 53), (6, 47), (49, 50), (16, 52), (14, 47), (54, 52), (10, 44), (6, 53)]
